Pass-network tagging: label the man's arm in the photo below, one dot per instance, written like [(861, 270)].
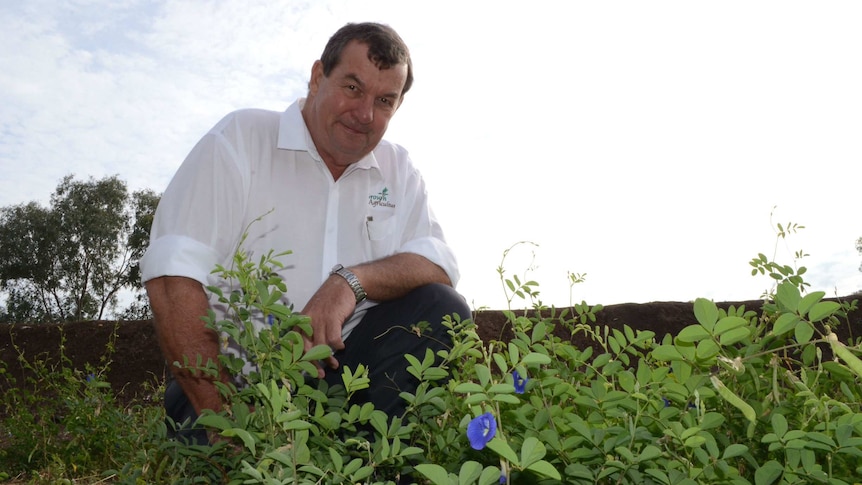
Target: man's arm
[(178, 303), (385, 279), (393, 277)]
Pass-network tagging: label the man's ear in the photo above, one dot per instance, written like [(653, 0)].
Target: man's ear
[(316, 77)]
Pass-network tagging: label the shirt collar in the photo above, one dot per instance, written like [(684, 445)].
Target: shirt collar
[(294, 135)]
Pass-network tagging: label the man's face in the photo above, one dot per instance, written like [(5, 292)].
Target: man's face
[(347, 112)]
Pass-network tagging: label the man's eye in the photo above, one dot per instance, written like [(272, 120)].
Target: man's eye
[(351, 87)]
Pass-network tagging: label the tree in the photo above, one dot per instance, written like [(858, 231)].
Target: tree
[(72, 261)]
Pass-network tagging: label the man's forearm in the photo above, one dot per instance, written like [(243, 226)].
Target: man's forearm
[(178, 304), (396, 275)]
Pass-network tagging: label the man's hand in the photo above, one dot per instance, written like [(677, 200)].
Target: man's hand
[(329, 308)]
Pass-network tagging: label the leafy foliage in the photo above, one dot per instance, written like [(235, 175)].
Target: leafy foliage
[(69, 262), (738, 397), (63, 423)]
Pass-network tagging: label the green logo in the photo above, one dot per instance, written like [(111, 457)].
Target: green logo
[(380, 199)]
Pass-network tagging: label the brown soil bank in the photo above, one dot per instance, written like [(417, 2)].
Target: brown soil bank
[(137, 363)]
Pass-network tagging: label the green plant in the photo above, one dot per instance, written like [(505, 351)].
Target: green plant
[(759, 396), (738, 398), (65, 422)]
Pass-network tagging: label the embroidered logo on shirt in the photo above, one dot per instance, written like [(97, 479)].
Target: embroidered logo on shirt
[(381, 199)]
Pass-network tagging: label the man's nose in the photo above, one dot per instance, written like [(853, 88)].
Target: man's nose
[(365, 110)]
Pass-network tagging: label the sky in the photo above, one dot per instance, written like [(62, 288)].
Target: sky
[(651, 146)]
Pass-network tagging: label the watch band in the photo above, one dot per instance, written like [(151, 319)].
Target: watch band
[(351, 279)]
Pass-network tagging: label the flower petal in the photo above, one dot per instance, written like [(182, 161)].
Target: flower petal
[(520, 382), (480, 430)]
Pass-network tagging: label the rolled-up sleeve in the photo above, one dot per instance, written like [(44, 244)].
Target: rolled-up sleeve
[(175, 255)]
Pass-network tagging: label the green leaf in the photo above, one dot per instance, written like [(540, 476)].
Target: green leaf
[(694, 441), (768, 473), (809, 300), (649, 453), (735, 335), (506, 398), (470, 471), (501, 363), (436, 473), (500, 447), (712, 420), (318, 352), (804, 332), (657, 474), (535, 358), (514, 353), (298, 424), (734, 450), (542, 467), (823, 310), (532, 450), (779, 424), (490, 476), (214, 421), (707, 349), (336, 460), (785, 323), (245, 436), (666, 353), (706, 313), (502, 388), (727, 324), (468, 388), (483, 373), (787, 297), (693, 333)]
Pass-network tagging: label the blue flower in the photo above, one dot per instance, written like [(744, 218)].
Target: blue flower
[(520, 382), (481, 429), (667, 402), (502, 479), (270, 319)]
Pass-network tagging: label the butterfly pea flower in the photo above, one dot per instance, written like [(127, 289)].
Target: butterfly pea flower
[(520, 382), (480, 430)]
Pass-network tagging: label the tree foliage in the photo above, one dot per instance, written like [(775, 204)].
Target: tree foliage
[(72, 260)]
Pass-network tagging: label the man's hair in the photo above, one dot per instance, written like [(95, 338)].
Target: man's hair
[(385, 48)]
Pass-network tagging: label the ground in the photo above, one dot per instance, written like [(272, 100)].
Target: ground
[(137, 363)]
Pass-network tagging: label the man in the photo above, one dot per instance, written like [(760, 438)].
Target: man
[(368, 253)]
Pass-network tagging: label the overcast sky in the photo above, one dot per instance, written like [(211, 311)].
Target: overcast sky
[(642, 143)]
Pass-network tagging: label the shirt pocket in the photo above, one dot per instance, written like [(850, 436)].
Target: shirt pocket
[(380, 232)]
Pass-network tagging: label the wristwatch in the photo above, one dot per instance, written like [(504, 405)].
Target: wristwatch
[(352, 280)]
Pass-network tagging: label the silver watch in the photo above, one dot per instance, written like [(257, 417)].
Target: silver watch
[(352, 280)]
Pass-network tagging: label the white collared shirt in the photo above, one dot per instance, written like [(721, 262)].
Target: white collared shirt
[(257, 164)]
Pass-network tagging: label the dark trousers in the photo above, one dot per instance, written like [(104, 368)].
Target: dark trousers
[(380, 341)]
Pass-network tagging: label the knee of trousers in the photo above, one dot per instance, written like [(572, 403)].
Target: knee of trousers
[(441, 300)]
